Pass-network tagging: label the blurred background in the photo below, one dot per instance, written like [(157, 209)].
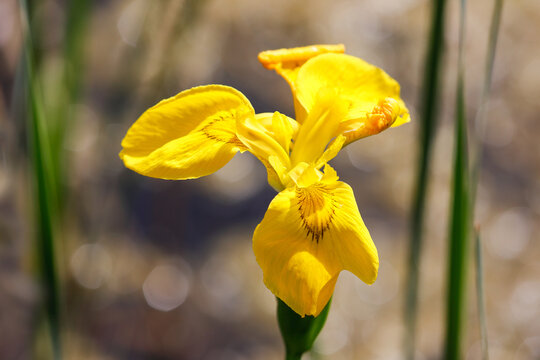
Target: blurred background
[(156, 269)]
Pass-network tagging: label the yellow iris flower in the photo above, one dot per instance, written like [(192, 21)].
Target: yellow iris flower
[(312, 229)]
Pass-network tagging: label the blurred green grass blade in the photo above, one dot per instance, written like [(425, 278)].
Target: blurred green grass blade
[(44, 203), (480, 119), (492, 46), (460, 222), (479, 266), (459, 237), (44, 195), (480, 126), (61, 114), (429, 98), (35, 26), (75, 33)]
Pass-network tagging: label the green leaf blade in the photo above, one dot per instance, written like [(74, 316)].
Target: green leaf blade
[(461, 216), (428, 125)]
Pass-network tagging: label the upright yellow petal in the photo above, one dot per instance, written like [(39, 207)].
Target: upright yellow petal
[(189, 135), (364, 86), (287, 63), (308, 235), (320, 126)]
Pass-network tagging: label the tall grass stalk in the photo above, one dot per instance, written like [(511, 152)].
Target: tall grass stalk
[(428, 111), (480, 119), (460, 222), (71, 83), (45, 198), (61, 113), (480, 295), (480, 126)]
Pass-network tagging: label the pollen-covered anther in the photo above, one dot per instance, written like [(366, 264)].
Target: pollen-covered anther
[(383, 114)]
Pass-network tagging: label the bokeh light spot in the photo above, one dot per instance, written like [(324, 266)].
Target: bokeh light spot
[(91, 265), (166, 287)]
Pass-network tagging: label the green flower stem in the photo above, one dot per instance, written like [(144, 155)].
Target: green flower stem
[(299, 333), (289, 356)]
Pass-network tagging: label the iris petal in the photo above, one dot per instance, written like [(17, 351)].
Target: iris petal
[(308, 235), (363, 85), (187, 136), (268, 137), (287, 63), (319, 128)]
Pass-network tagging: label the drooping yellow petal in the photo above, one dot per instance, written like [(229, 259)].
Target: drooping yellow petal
[(287, 62), (319, 128), (308, 235), (368, 89), (186, 136)]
